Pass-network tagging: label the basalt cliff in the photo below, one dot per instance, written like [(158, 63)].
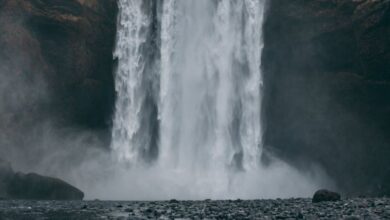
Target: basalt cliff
[(327, 78)]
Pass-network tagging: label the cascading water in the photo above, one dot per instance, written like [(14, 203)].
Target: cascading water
[(189, 88), (210, 85)]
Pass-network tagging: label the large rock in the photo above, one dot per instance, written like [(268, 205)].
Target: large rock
[(34, 187), (327, 88), (324, 195)]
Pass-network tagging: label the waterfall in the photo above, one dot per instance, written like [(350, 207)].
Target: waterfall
[(209, 78), (133, 128), (189, 90), (211, 84)]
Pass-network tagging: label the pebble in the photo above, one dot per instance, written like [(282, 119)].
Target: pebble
[(352, 209)]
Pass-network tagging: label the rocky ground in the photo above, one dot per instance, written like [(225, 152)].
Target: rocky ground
[(360, 208)]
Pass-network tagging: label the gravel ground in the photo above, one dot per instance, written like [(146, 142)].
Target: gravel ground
[(361, 208)]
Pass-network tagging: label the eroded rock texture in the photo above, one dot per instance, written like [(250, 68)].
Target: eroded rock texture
[(327, 73), (62, 49), (56, 80)]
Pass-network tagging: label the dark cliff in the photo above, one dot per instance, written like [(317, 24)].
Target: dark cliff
[(66, 46), (327, 95), (56, 81)]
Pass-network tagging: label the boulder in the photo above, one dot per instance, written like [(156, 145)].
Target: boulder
[(31, 186), (324, 195), (36, 187)]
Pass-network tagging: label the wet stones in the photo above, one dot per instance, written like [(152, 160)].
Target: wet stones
[(223, 209)]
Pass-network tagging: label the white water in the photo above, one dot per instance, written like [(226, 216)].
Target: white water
[(210, 84), (206, 84)]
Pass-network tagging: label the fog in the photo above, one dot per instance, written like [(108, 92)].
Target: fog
[(33, 141), (278, 180)]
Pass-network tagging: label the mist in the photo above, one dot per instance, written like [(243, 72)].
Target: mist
[(33, 140), (100, 179)]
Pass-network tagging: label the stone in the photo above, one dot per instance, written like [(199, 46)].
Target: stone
[(324, 195), (173, 201), (32, 186), (352, 218)]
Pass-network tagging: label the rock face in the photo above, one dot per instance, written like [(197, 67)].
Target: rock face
[(64, 46), (327, 95), (324, 195), (56, 80), (56, 66)]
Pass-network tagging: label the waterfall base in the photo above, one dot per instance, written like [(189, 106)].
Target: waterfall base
[(277, 180)]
